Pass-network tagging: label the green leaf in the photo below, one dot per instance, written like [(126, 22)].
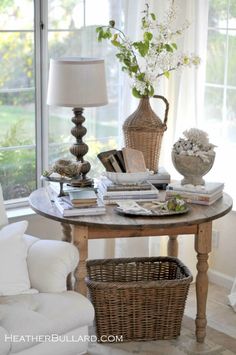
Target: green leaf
[(140, 76), (153, 16), (98, 29), (136, 93), (168, 48), (142, 47), (186, 60), (144, 23), (127, 62), (100, 35), (147, 36), (116, 43), (151, 91), (174, 45), (166, 74), (133, 68)]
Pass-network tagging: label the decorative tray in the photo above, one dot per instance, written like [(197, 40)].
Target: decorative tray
[(152, 208)]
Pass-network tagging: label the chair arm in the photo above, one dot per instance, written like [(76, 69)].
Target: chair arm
[(49, 263), (5, 343)]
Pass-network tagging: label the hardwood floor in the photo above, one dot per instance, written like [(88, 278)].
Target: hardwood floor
[(220, 315)]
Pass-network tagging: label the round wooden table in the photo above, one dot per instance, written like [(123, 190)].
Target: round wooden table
[(198, 222)]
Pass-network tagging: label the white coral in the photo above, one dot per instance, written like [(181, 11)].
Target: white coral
[(196, 144), (197, 136)]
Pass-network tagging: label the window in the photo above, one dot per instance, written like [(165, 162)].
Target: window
[(17, 98), (32, 135), (220, 89)]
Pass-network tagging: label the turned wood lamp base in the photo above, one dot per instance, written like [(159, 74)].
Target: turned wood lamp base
[(79, 149)]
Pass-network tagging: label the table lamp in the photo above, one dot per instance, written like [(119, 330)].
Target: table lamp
[(78, 83)]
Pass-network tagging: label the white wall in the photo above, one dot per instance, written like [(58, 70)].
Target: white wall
[(223, 257)]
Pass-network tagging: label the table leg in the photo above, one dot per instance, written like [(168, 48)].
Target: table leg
[(202, 247), (80, 240), (67, 237), (66, 229), (172, 246)]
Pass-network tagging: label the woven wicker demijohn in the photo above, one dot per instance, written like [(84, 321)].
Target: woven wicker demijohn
[(143, 130)]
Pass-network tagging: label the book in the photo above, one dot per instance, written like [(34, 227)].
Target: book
[(188, 196), (83, 196), (103, 157), (112, 159), (134, 160), (120, 160), (208, 188), (113, 196), (151, 190), (69, 211), (205, 203), (117, 201), (129, 187)]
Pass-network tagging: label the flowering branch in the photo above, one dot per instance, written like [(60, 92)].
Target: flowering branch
[(155, 55)]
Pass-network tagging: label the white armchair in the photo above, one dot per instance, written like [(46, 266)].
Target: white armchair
[(39, 316)]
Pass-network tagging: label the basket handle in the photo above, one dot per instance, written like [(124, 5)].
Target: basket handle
[(166, 110)]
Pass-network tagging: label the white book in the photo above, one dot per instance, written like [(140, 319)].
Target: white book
[(128, 194), (68, 211), (209, 188)]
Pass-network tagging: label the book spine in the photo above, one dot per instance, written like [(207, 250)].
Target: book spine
[(205, 203), (179, 189), (191, 196), (116, 201)]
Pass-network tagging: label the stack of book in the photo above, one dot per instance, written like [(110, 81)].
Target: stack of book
[(114, 193), (82, 202), (203, 195)]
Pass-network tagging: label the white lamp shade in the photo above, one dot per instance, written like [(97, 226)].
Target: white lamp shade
[(77, 82)]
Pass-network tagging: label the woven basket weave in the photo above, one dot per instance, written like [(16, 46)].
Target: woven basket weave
[(138, 298), (143, 130)]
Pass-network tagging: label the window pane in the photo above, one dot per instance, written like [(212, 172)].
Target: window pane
[(213, 104), (17, 173), (232, 56), (16, 15), (17, 112), (62, 14), (218, 13), (17, 98), (231, 115), (216, 48), (70, 14), (232, 13), (16, 66)]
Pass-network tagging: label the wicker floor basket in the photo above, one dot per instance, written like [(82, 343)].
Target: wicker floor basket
[(138, 298)]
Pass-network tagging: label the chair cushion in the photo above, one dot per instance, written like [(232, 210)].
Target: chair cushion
[(44, 314), (14, 277)]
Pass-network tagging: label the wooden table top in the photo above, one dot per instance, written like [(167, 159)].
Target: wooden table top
[(40, 202)]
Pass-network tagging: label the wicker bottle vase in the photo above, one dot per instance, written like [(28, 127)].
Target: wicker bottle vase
[(143, 130)]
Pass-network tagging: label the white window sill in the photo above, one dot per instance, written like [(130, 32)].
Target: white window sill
[(19, 212)]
